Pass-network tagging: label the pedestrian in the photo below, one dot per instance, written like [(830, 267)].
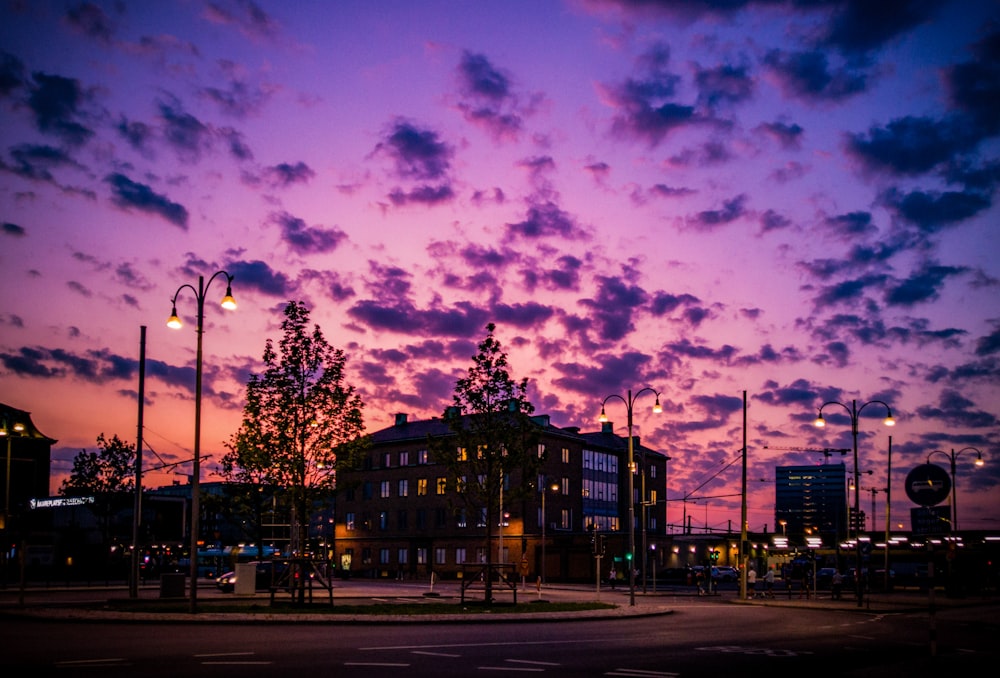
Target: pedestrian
[(612, 577), (751, 582), (804, 583), (769, 582), (836, 585), (700, 579)]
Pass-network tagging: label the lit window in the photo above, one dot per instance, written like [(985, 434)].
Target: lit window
[(421, 487), (442, 485)]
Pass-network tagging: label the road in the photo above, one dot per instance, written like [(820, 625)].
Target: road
[(700, 638)]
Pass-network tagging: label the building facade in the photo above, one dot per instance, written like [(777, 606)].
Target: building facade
[(811, 501), (400, 516)]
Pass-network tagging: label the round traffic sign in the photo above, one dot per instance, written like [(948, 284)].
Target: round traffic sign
[(928, 485)]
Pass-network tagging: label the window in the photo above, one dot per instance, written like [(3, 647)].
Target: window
[(386, 460), (422, 556), (421, 519), (541, 450), (459, 556), (349, 521), (652, 471), (462, 520), (566, 519), (384, 491), (439, 556), (460, 484), (404, 487), (403, 556), (442, 485), (564, 486), (565, 455), (404, 458), (652, 523), (383, 556), (462, 454), (652, 496), (402, 521), (383, 520), (366, 556), (421, 457), (421, 487), (366, 490), (440, 517), (481, 521)]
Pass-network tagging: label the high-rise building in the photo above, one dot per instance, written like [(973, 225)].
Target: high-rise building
[(811, 501)]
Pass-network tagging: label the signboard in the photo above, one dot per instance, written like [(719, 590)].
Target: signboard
[(928, 485), (930, 519), (57, 502)]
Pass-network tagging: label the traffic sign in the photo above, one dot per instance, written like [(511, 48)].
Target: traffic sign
[(928, 485)]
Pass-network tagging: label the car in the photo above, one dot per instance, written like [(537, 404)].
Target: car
[(724, 573), (267, 571), (824, 577)]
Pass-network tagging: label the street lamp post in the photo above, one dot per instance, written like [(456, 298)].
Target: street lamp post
[(854, 411), (952, 458), (546, 486), (174, 322), (629, 401)]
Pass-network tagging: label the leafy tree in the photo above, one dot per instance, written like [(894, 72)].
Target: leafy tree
[(107, 474), (494, 446), (302, 422)]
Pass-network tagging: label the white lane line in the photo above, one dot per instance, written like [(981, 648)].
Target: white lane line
[(436, 654), (380, 664), (223, 654), (459, 645), (514, 669), (91, 662), (528, 661)]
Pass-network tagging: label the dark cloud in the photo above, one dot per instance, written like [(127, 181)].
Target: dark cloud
[(91, 21), (685, 348), (911, 145), (12, 73), (56, 103), (849, 291), (860, 26), (788, 136), (245, 16), (12, 230), (260, 276), (989, 344), (974, 86), (423, 195), (137, 134), (304, 239), (664, 303), (526, 315), (873, 331), (768, 355), (417, 153), (239, 99), (285, 174), (932, 210), (664, 191), (851, 225), (723, 84), (547, 220), (188, 136), (809, 76), (130, 194), (462, 320), (732, 209), (772, 221), (35, 161), (97, 366), (799, 393), (488, 101), (609, 373), (612, 309), (237, 145), (955, 410), (923, 286)]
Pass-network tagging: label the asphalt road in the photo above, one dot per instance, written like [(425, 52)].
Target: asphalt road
[(700, 637)]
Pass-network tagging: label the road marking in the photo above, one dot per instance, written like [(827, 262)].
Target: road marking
[(379, 664), (377, 648), (639, 673), (223, 654), (436, 654), (515, 669), (528, 661), (237, 663)]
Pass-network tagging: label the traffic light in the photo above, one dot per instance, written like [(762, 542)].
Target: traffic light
[(713, 556), (628, 556)]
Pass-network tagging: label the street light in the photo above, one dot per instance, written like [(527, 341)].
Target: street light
[(174, 322), (629, 402), (546, 486), (854, 411), (8, 428), (954, 488)]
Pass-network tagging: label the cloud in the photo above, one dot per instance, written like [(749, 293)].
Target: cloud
[(425, 195), (238, 147), (788, 136), (664, 303), (238, 99), (923, 286), (417, 153), (488, 100), (851, 225), (137, 134), (90, 20), (260, 276), (545, 219), (130, 194), (848, 291), (12, 73), (731, 210), (955, 410), (860, 27), (12, 230), (799, 393), (989, 344), (606, 373), (56, 103), (285, 174), (612, 309), (723, 84), (932, 210), (35, 161), (911, 145), (245, 16), (974, 86), (304, 239), (188, 136), (807, 75)]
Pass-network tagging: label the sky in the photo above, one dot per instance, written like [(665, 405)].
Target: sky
[(787, 198)]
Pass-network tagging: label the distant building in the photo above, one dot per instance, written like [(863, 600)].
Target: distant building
[(28, 454), (399, 516), (811, 500)]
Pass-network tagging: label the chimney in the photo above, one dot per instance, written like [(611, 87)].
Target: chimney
[(608, 427), (400, 419)]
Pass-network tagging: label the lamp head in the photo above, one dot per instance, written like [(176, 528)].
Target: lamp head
[(228, 302), (820, 422), (604, 417), (174, 321), (979, 458), (889, 421), (657, 408)]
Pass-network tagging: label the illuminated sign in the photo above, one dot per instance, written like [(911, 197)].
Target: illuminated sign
[(59, 502)]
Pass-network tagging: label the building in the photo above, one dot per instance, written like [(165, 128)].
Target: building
[(811, 501), (400, 517), (27, 461)]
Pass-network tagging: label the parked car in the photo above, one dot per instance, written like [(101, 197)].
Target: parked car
[(824, 577), (675, 575), (724, 573), (267, 572)]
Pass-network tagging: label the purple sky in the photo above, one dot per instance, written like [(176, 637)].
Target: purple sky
[(789, 198)]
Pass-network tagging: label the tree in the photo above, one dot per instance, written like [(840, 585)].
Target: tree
[(108, 475), (494, 439), (302, 422)]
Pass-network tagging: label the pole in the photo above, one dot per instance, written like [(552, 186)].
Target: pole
[(631, 507), (133, 589), (196, 468), (544, 518), (642, 492), (859, 591), (888, 520), (954, 495), (744, 551)]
